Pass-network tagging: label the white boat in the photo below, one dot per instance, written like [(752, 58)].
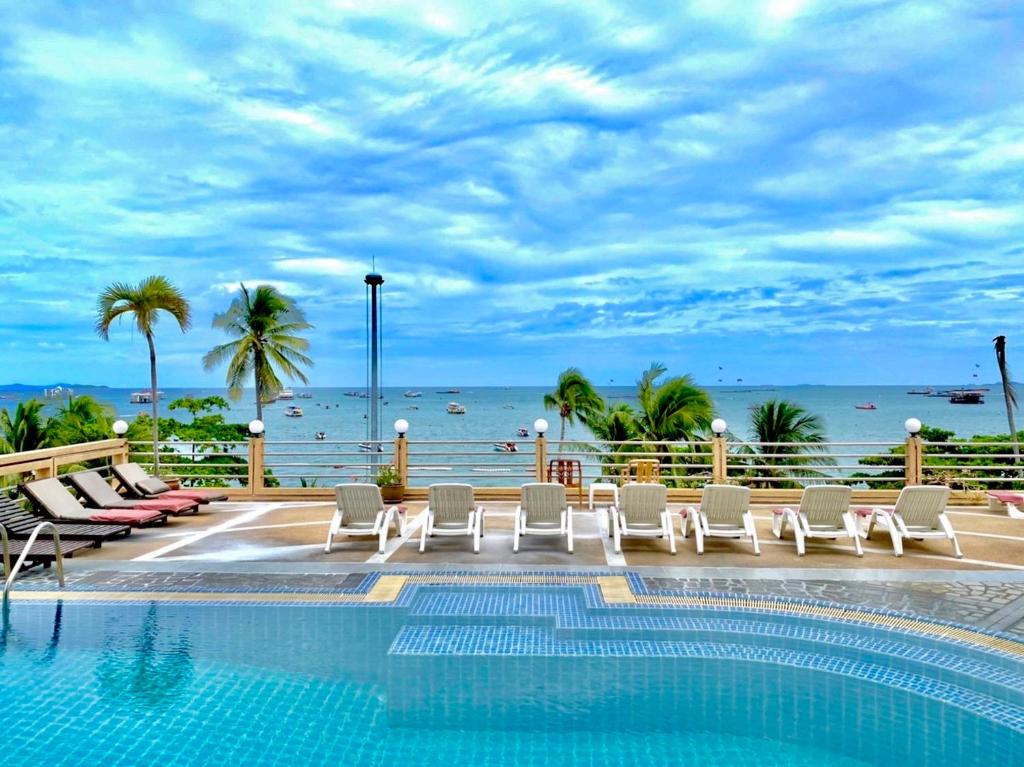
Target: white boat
[(293, 412), (144, 397), (522, 431), (454, 408), (286, 394), (413, 394)]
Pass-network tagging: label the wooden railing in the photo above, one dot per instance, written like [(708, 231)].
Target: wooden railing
[(257, 468)]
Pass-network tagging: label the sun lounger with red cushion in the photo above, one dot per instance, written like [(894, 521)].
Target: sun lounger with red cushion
[(138, 484), (57, 502), (98, 494)]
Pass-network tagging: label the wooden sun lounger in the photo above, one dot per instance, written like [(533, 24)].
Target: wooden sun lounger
[(20, 523)]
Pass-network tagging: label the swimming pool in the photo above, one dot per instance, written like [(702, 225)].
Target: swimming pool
[(495, 675)]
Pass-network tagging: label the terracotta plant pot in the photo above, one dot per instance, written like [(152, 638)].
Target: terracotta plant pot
[(392, 493)]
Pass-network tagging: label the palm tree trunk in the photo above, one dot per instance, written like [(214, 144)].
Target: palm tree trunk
[(155, 403), (1004, 374), (561, 437), (257, 372)]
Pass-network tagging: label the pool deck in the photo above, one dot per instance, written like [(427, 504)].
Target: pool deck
[(296, 532), (269, 549)]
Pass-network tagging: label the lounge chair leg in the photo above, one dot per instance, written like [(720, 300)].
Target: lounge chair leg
[(850, 522), (947, 528), (748, 520), (423, 532), (779, 523), (801, 545), (897, 540), (617, 532), (568, 526), (476, 532), (698, 531), (515, 532), (666, 524), (331, 532)]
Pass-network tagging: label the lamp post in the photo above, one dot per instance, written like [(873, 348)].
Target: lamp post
[(914, 471), (540, 449), (719, 451), (402, 450), (374, 282)]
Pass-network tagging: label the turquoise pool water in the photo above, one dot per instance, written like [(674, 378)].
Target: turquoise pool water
[(491, 677)]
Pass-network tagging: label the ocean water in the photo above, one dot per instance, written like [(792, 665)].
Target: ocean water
[(495, 413), (132, 684)]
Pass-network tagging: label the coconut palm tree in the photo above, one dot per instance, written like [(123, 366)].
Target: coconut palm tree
[(79, 419), (674, 410), (782, 421), (25, 430), (573, 397), (264, 324), (1009, 393), (144, 302)]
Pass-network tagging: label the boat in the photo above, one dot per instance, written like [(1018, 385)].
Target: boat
[(966, 397), (58, 392), (305, 395), (286, 394), (506, 447), (293, 412), (451, 391), (508, 407), (144, 397), (321, 435), (927, 391), (866, 406), (413, 394), (522, 431), (454, 408)]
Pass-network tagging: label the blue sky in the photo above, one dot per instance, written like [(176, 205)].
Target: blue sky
[(796, 191)]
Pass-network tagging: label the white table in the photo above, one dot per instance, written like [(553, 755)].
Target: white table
[(609, 487)]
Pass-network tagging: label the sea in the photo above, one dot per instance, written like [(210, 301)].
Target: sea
[(496, 413)]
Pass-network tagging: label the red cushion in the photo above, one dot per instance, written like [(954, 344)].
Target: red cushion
[(128, 517), (778, 511), (175, 504), (199, 496), (864, 511), (1006, 497)]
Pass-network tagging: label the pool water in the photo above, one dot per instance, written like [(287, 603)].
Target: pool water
[(172, 684)]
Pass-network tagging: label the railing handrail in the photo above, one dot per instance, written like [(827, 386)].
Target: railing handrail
[(12, 573)]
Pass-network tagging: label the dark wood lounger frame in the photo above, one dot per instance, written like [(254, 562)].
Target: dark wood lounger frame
[(20, 523)]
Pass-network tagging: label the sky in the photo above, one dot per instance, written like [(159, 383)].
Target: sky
[(782, 191)]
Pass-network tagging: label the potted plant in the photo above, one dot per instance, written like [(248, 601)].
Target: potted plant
[(390, 483)]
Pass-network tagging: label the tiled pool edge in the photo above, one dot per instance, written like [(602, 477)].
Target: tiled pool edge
[(615, 590)]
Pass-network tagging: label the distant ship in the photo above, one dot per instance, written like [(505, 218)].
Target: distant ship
[(927, 391), (305, 395), (293, 412), (966, 397), (58, 392), (451, 391), (867, 406), (286, 394), (454, 408), (413, 394), (144, 397)]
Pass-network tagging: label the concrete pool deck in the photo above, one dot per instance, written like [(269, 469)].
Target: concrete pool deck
[(296, 532)]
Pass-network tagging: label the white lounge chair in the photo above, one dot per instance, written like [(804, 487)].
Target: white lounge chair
[(724, 512), (643, 512), (361, 512), (451, 511), (824, 512), (919, 514), (542, 511)]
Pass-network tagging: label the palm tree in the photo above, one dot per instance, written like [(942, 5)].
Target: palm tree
[(675, 410), (26, 430), (1009, 393), (573, 397), (79, 419), (144, 302), (264, 324), (782, 421)]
